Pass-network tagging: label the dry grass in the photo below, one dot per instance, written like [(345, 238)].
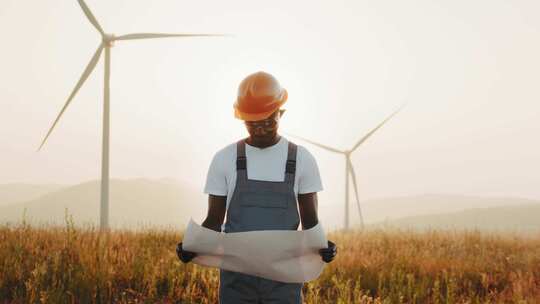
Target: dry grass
[(75, 265)]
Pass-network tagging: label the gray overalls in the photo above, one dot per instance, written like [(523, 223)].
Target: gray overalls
[(260, 205)]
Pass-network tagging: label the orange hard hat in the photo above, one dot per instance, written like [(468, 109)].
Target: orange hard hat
[(259, 95)]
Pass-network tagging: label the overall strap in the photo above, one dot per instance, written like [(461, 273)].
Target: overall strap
[(290, 167), (241, 160)]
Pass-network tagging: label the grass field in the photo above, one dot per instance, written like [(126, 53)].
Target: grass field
[(75, 265)]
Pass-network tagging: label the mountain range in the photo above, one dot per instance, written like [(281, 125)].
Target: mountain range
[(142, 202)]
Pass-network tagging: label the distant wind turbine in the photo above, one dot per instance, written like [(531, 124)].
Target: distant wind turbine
[(349, 168), (106, 43)]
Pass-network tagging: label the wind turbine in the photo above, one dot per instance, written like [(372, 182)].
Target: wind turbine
[(349, 168), (106, 44)]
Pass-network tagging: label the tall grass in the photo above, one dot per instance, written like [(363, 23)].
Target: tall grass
[(84, 265)]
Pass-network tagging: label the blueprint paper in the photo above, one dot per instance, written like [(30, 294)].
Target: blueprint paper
[(290, 256)]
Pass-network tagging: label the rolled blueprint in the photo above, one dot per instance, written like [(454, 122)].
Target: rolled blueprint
[(290, 256)]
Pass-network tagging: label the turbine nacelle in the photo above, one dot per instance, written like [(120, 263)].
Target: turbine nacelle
[(108, 40)]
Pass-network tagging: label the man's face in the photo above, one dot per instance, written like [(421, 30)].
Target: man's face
[(265, 129)]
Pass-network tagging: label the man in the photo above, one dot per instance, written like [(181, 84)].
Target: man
[(263, 182)]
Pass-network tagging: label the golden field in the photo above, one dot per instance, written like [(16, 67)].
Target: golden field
[(82, 265)]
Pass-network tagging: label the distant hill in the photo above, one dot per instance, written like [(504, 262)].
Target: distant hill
[(167, 202), (404, 206), (521, 218), (20, 192), (133, 203)]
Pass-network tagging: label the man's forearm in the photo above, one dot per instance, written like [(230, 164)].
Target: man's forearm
[(308, 210), (216, 226), (309, 223)]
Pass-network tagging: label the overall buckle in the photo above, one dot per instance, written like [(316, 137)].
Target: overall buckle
[(290, 167), (241, 163)]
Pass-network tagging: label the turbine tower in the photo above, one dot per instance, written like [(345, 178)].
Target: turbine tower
[(106, 43), (349, 168)]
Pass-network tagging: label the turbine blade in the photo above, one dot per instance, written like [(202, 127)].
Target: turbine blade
[(314, 143), (363, 139), (353, 174), (87, 71), (90, 16), (163, 35)]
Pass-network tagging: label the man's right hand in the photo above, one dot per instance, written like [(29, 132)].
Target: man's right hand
[(184, 255), (328, 254)]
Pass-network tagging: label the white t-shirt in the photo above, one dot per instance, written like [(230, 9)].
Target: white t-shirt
[(262, 164)]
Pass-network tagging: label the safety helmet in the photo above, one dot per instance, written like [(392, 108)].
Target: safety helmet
[(259, 95)]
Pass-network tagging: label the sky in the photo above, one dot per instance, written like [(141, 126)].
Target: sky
[(467, 70)]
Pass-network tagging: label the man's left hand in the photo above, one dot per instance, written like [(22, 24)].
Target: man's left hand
[(328, 254)]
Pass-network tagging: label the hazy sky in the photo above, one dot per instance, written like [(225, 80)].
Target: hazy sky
[(468, 69)]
